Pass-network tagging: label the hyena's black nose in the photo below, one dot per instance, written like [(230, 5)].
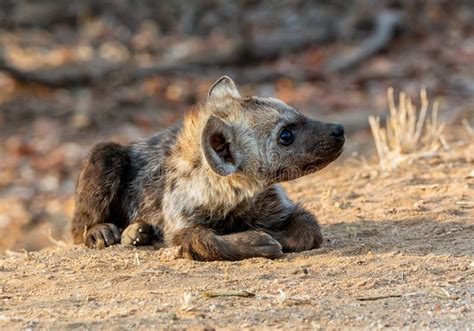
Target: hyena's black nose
[(337, 131)]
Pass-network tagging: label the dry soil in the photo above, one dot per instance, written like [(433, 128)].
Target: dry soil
[(398, 253)]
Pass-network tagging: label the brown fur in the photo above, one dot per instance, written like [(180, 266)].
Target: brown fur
[(209, 183)]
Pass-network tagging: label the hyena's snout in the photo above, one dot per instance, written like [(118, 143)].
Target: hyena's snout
[(328, 139), (325, 144), (315, 146)]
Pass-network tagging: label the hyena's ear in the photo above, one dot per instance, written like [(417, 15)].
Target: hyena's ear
[(219, 146), (224, 87)]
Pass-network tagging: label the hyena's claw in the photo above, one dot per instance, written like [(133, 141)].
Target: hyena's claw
[(137, 234), (102, 235)]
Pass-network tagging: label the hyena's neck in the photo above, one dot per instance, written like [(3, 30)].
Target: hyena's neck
[(193, 184)]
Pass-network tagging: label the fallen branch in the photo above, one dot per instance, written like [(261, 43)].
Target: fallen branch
[(248, 50), (78, 74), (386, 22)]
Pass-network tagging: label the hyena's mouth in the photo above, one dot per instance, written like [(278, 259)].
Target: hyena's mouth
[(339, 152), (322, 163), (293, 172), (315, 166)]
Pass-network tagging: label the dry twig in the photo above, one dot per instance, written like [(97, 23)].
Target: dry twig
[(442, 293), (58, 243), (468, 127), (381, 297), (228, 293)]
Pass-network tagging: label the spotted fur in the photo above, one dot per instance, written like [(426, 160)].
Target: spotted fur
[(210, 182)]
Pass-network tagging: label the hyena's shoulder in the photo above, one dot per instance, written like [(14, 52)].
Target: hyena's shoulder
[(148, 158)]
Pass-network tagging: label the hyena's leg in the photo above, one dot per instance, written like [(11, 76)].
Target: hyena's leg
[(294, 227), (201, 243), (97, 215), (298, 232)]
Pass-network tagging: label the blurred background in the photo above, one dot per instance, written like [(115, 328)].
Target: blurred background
[(73, 73)]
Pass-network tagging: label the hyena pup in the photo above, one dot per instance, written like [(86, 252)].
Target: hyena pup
[(210, 182)]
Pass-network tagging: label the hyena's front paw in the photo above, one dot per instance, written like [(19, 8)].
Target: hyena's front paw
[(138, 234), (264, 245), (102, 235), (256, 244)]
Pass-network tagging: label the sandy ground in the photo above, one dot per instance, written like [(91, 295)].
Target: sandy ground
[(398, 253)]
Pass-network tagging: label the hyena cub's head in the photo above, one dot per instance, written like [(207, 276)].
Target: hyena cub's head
[(264, 139)]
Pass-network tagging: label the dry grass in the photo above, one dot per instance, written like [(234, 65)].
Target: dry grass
[(408, 133)]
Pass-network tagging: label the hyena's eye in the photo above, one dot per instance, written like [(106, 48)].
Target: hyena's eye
[(286, 137)]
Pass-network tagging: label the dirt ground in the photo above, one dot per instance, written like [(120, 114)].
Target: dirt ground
[(398, 253), (47, 129), (399, 245)]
